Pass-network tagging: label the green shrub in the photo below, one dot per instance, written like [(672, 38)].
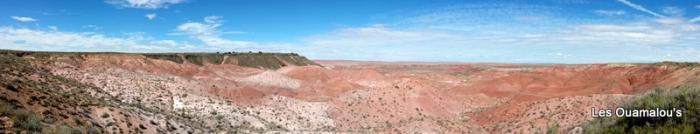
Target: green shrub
[(94, 130), (24, 120), (5, 109), (214, 59), (254, 60), (685, 98), (553, 128), (27, 121), (68, 130), (259, 61), (171, 57), (64, 129), (194, 59)]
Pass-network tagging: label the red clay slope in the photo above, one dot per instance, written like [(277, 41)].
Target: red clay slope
[(349, 96)]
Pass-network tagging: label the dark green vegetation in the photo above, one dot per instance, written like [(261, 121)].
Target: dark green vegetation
[(686, 98), (255, 60), (678, 64), (21, 119), (170, 57), (270, 60)]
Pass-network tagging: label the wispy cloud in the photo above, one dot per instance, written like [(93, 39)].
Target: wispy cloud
[(209, 34), (501, 32), (673, 11), (466, 17), (696, 19), (92, 27), (464, 34), (378, 35), (207, 31), (145, 4), (23, 19), (610, 12), (378, 42), (29, 39), (617, 34), (54, 28), (52, 39), (151, 16), (639, 7), (60, 12)]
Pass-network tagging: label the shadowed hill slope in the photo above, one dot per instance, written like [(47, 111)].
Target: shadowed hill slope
[(254, 60), (34, 100)]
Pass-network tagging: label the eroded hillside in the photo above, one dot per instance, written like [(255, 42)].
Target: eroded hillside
[(33, 100), (258, 60), (281, 93)]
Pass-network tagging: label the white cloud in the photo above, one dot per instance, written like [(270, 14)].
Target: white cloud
[(673, 11), (208, 33), (145, 4), (696, 19), (54, 28), (639, 7), (151, 16), (23, 19), (378, 35), (38, 40), (660, 31), (618, 34), (54, 40), (213, 19), (51, 39), (576, 43), (93, 27), (677, 24), (378, 42), (610, 12), (670, 21), (467, 17), (482, 33), (167, 43), (556, 28), (208, 28)]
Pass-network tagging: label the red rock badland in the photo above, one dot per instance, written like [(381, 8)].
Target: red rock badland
[(354, 96)]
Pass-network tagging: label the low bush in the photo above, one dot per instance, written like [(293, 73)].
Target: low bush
[(27, 121), (685, 98), (23, 120), (171, 57)]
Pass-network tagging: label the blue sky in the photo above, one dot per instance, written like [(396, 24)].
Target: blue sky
[(519, 31)]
